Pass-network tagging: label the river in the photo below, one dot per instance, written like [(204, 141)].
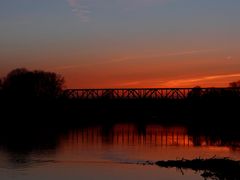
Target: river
[(117, 151)]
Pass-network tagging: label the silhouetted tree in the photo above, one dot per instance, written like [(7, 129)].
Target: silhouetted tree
[(196, 92), (1, 84), (24, 84), (0, 88), (235, 84)]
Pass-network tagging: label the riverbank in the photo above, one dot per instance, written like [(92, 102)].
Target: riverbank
[(213, 168), (65, 112)]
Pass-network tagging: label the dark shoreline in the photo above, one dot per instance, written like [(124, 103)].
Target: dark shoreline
[(62, 112), (214, 168)]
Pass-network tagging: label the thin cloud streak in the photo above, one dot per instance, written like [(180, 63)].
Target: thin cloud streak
[(183, 82), (183, 53), (192, 52), (67, 67), (189, 82), (80, 10)]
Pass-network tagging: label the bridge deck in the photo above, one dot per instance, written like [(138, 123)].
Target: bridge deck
[(148, 93)]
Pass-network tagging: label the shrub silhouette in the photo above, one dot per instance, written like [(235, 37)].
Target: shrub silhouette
[(0, 88), (24, 84), (195, 93), (235, 84)]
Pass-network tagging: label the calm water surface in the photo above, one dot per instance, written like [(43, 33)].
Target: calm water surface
[(112, 152)]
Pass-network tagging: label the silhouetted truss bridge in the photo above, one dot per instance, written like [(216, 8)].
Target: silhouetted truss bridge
[(147, 93)]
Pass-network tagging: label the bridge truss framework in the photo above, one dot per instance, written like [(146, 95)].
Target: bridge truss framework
[(146, 93)]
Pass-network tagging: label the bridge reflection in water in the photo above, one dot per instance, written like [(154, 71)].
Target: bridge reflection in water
[(151, 135)]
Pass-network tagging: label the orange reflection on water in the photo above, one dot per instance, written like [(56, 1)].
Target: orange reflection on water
[(127, 141), (125, 134), (151, 135), (129, 134)]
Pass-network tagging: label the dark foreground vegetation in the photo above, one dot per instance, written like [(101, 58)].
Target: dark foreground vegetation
[(212, 168)]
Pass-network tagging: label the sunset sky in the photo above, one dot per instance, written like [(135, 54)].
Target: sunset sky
[(124, 43)]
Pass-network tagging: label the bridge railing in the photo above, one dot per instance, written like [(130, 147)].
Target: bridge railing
[(147, 93)]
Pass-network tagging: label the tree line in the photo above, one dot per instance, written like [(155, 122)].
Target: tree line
[(24, 84)]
